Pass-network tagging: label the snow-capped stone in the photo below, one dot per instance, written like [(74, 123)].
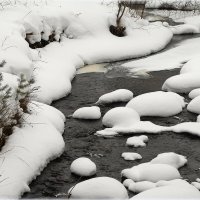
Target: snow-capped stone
[(182, 190), (183, 83), (194, 105), (83, 167), (194, 93), (151, 172), (131, 156), (99, 188), (120, 95), (127, 182), (170, 158), (92, 112), (137, 141), (159, 103), (120, 116), (142, 186), (198, 118)]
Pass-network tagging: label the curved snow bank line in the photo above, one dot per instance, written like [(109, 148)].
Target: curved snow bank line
[(30, 148), (173, 58), (82, 41)]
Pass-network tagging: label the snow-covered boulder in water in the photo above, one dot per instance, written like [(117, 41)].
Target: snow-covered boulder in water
[(141, 186), (170, 158), (120, 95), (183, 83), (194, 93), (99, 188), (92, 112), (151, 172), (131, 156), (162, 104), (137, 141), (194, 105), (83, 167), (121, 117), (174, 191)]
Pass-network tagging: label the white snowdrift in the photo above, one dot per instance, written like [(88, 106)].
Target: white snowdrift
[(151, 172), (194, 93), (137, 141), (170, 158), (26, 149), (162, 104), (194, 105), (120, 95), (131, 156), (82, 41), (92, 112), (83, 167), (120, 116), (99, 188), (173, 58)]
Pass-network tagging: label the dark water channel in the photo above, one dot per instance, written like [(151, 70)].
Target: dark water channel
[(80, 141)]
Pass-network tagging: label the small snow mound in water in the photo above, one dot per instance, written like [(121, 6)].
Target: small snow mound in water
[(106, 133), (83, 167), (151, 172), (137, 141), (198, 118), (92, 112), (99, 188), (131, 156), (170, 158), (187, 80), (194, 93), (162, 104), (120, 116), (120, 95), (179, 190), (194, 105)]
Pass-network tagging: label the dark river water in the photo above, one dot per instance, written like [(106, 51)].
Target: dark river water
[(80, 140)]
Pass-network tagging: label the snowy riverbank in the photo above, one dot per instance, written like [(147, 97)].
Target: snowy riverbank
[(82, 37)]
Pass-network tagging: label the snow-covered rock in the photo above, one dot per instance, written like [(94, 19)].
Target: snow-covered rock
[(151, 172), (170, 158), (137, 141), (198, 118), (83, 167), (141, 186), (183, 83), (194, 105), (187, 80), (120, 116), (99, 188), (120, 95), (131, 156), (175, 191), (162, 104), (92, 112), (194, 93)]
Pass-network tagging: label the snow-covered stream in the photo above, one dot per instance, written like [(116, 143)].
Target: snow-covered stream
[(80, 140), (106, 153)]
